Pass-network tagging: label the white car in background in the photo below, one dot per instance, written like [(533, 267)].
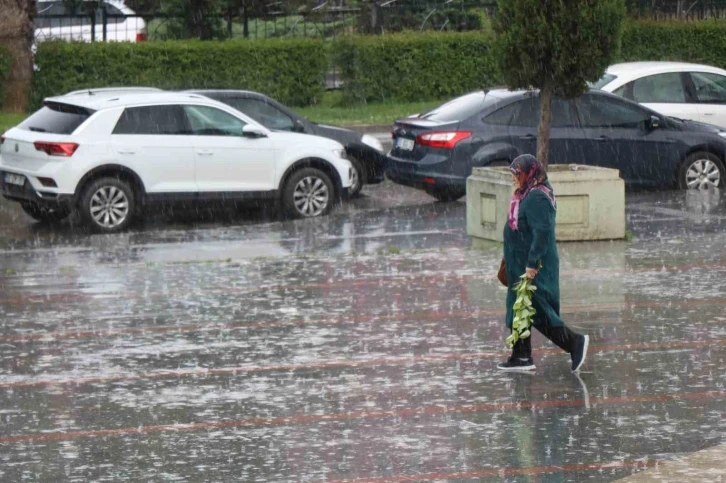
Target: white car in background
[(106, 155), (58, 20), (686, 91)]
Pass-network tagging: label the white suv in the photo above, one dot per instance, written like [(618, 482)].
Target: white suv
[(107, 154)]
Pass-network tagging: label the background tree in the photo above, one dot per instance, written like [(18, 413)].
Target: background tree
[(556, 46), (16, 36)]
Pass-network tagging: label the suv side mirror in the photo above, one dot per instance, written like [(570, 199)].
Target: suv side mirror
[(253, 131), (654, 122)]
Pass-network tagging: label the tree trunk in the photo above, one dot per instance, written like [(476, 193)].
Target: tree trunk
[(16, 35), (545, 121)]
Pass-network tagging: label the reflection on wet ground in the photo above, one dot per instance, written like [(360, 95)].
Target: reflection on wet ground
[(359, 347)]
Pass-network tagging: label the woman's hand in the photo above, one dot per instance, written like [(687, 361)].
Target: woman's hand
[(531, 273)]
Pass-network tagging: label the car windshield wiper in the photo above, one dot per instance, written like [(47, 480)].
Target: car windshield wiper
[(37, 129)]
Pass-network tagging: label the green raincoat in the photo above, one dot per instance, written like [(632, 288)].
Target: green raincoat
[(533, 245)]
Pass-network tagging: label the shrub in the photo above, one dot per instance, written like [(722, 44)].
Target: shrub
[(412, 67), (292, 71)]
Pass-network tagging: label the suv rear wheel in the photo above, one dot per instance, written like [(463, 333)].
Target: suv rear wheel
[(45, 214), (308, 193), (108, 205)]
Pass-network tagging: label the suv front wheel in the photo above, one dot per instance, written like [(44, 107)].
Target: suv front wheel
[(108, 205), (308, 193)]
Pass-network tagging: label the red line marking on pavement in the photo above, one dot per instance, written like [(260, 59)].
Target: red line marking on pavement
[(567, 309), (382, 361), (399, 413), (380, 281), (502, 472)]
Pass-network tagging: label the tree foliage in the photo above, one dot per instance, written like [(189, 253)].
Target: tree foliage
[(556, 46)]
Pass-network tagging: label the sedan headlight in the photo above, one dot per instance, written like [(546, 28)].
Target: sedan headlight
[(340, 153), (722, 134), (372, 142)]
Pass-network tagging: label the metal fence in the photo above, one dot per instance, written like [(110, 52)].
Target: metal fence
[(324, 21), (319, 22)]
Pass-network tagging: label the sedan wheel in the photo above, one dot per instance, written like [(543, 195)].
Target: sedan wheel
[(703, 174), (308, 193), (701, 171)]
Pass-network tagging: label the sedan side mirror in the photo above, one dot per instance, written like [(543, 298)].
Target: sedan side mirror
[(299, 126), (654, 122), (253, 131)]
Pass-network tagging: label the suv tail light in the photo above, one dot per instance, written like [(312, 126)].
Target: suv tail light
[(141, 37), (56, 149), (444, 140)]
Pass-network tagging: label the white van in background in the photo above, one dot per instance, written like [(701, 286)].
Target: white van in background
[(57, 20)]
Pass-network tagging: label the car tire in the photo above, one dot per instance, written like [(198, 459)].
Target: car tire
[(108, 205), (446, 195), (701, 170), (45, 214), (308, 193), (360, 177)]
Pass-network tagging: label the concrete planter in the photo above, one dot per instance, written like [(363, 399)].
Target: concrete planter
[(590, 202)]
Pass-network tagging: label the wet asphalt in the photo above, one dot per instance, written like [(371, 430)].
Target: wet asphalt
[(225, 344)]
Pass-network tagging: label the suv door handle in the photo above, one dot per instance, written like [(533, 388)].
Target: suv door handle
[(205, 153), (126, 151), (602, 139), (528, 137), (708, 113)]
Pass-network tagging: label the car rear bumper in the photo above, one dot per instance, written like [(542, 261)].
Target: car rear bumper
[(423, 175), (27, 193)]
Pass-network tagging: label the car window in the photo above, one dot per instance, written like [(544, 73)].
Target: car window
[(606, 112), (663, 88), (602, 82), (56, 118), (461, 108), (150, 120), (210, 121), (262, 112), (710, 88), (503, 116), (526, 113), (620, 91), (113, 15)]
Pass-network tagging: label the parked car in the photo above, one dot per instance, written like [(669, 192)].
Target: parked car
[(92, 91), (364, 151), (437, 150), (107, 155), (687, 91), (71, 21)]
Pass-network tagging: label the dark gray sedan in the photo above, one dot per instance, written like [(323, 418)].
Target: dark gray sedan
[(364, 151), (437, 150)]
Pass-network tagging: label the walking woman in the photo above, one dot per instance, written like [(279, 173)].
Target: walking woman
[(530, 248)]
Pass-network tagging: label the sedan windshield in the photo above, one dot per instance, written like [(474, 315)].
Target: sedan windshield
[(604, 80)]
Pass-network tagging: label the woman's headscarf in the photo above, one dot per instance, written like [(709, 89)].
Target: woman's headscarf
[(536, 180)]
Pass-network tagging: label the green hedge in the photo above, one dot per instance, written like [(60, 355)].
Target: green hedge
[(292, 71), (5, 63), (412, 67), (401, 67), (698, 42)]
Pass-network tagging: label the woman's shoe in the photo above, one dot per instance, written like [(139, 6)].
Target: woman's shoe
[(517, 364)]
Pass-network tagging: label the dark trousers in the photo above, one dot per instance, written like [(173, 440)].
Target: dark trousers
[(562, 337)]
